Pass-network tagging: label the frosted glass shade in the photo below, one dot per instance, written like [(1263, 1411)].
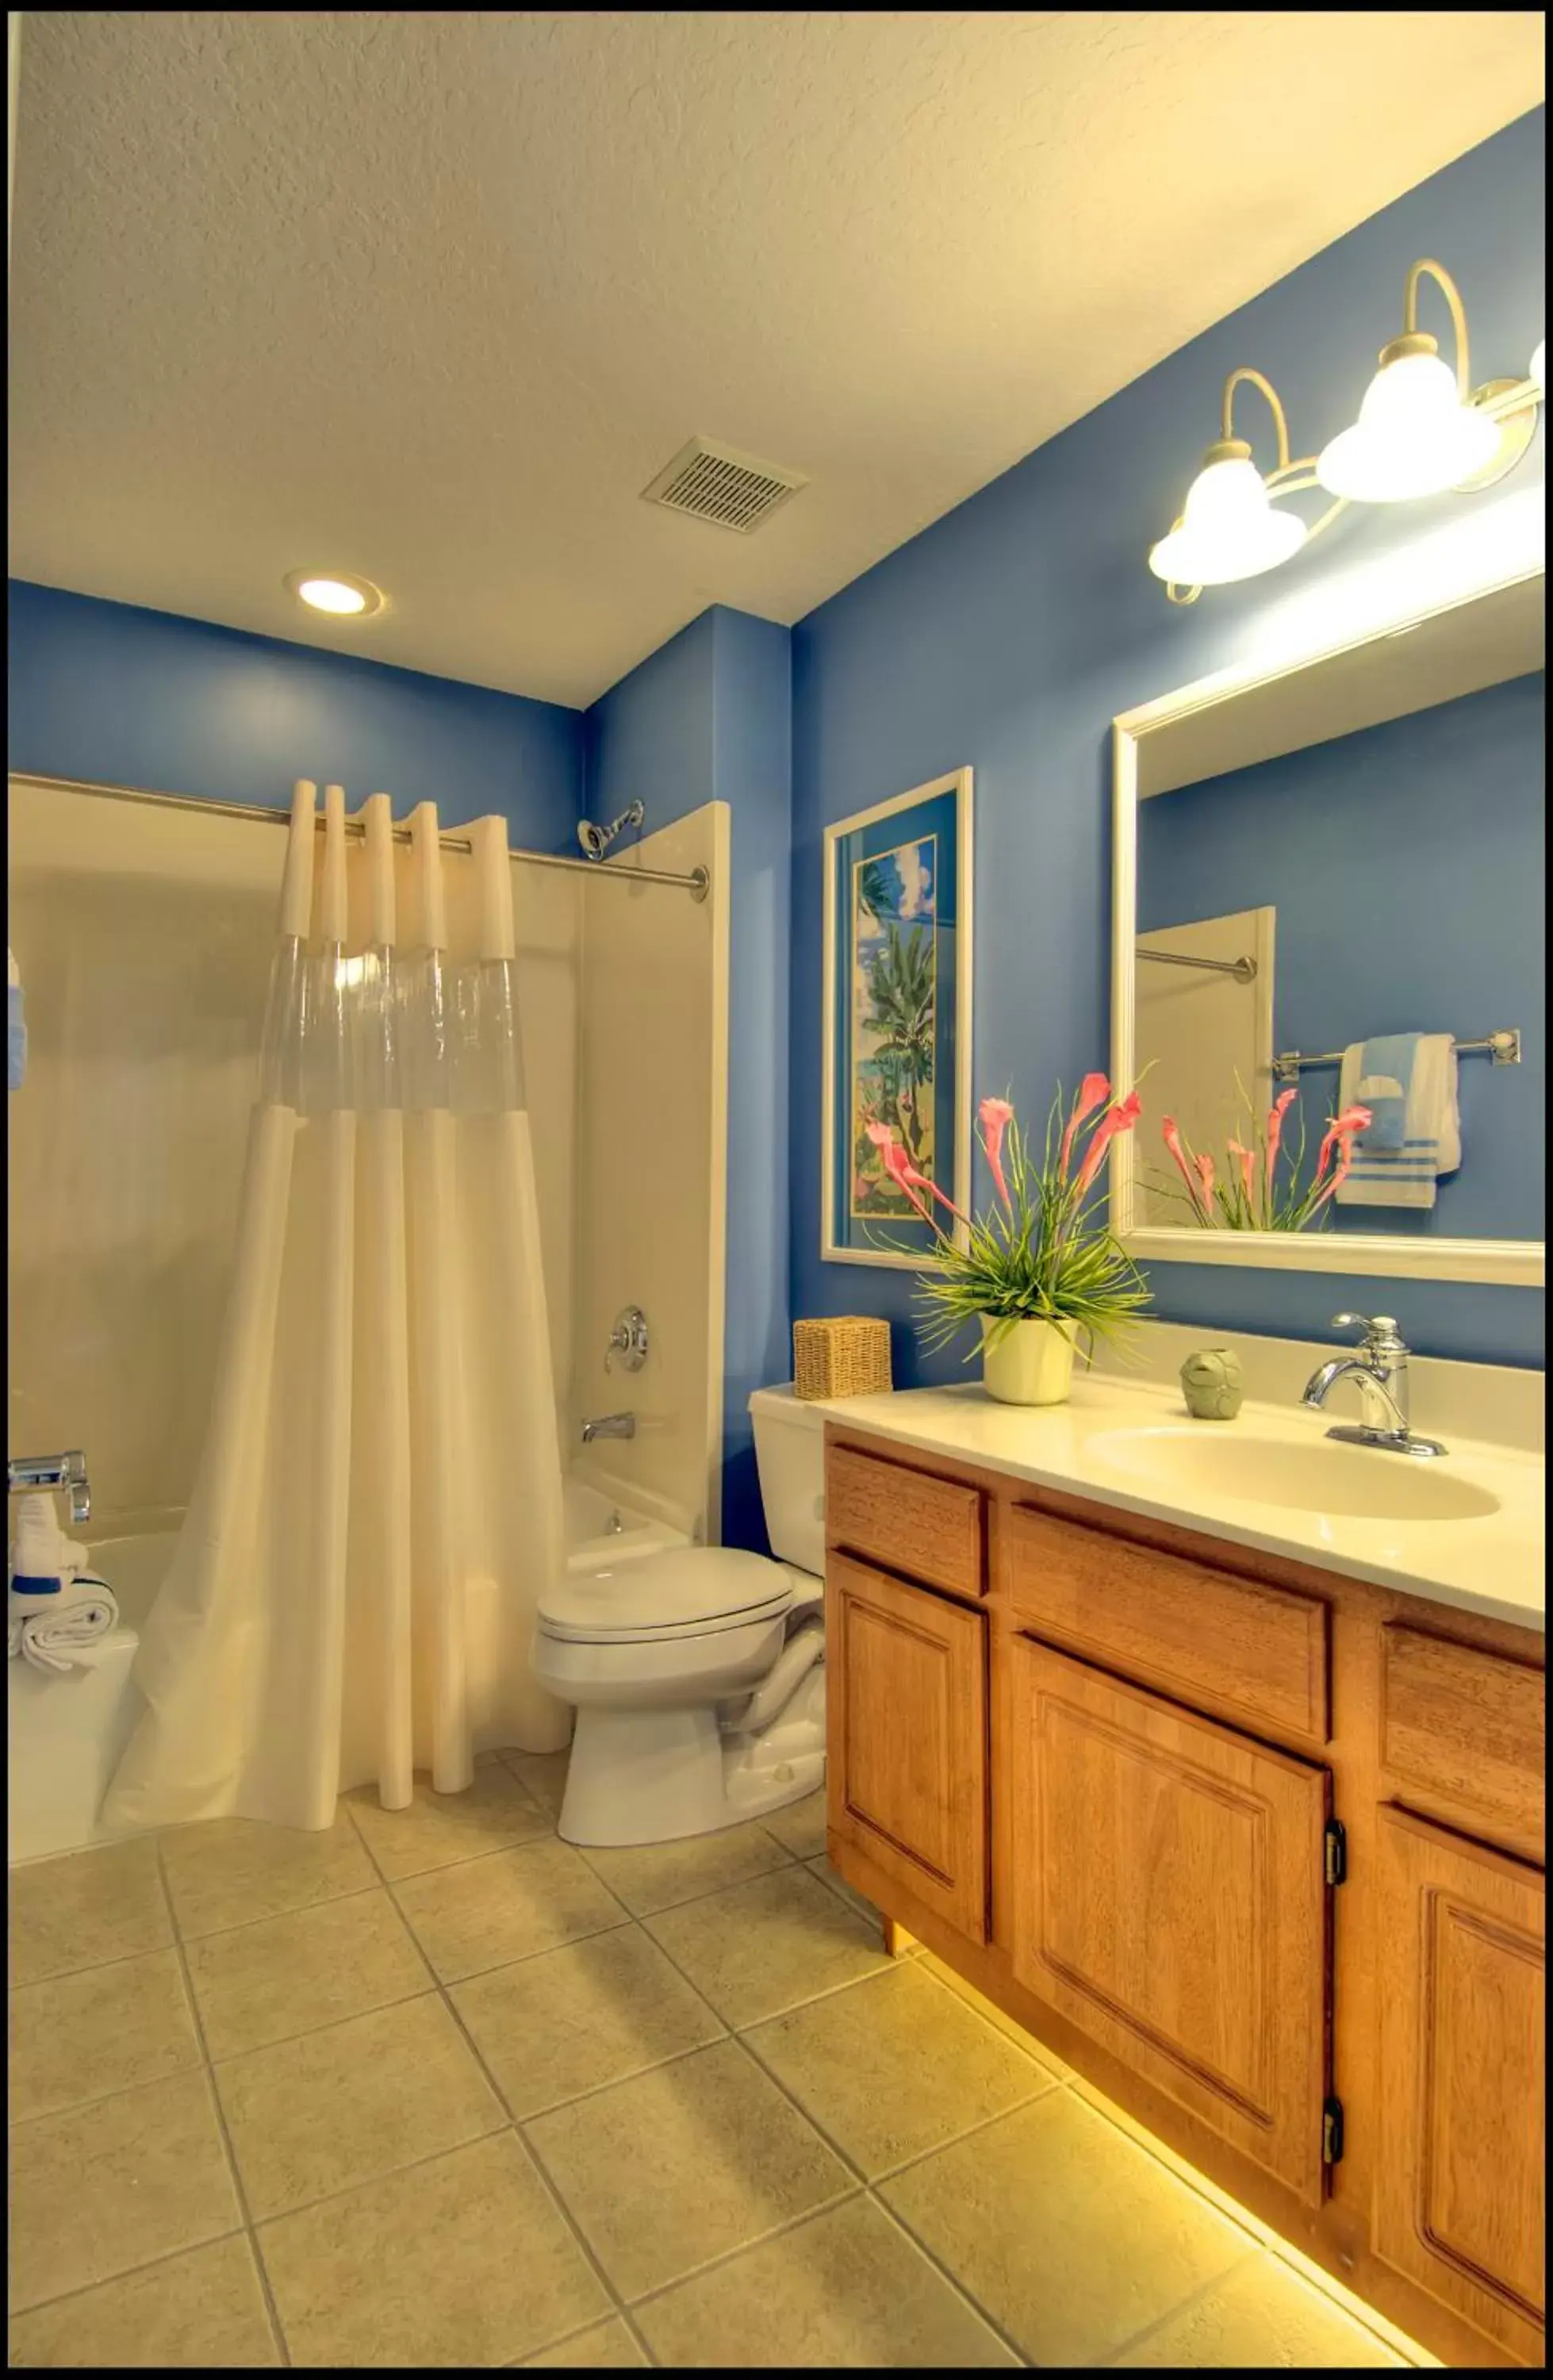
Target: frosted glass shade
[(1413, 437), (1231, 529)]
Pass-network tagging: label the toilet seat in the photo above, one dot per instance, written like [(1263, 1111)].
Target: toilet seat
[(684, 1591)]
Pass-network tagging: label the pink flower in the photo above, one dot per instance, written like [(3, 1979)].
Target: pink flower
[(1352, 1120), (898, 1165), (1172, 1136), (910, 1179), (1205, 1174), (996, 1116), (1246, 1160), (1276, 1114), (1118, 1119), (1093, 1092)]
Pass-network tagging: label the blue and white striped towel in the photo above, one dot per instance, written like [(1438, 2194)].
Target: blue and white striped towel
[(1401, 1170)]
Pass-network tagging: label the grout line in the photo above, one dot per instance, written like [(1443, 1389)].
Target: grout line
[(1194, 2298), (761, 2240), (526, 2148), (271, 2309), (88, 2288), (955, 2281)]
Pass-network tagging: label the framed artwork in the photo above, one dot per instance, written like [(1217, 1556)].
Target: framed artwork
[(897, 1020)]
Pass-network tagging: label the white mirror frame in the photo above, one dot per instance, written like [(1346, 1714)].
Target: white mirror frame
[(1517, 1262)]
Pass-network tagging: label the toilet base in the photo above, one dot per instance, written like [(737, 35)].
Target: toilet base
[(659, 1776)]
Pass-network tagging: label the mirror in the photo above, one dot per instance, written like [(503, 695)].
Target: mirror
[(1329, 964)]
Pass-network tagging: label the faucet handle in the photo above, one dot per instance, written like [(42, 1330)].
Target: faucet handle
[(1378, 1329)]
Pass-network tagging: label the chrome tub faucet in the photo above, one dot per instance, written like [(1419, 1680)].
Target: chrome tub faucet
[(67, 1471), (609, 1426), (1380, 1371)]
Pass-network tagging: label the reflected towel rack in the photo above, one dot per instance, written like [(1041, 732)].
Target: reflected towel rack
[(1242, 969), (1503, 1048)]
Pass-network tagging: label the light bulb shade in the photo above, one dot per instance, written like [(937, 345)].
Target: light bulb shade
[(1413, 436), (1230, 529), (1539, 361)]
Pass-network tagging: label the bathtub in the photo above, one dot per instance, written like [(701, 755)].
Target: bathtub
[(68, 1732)]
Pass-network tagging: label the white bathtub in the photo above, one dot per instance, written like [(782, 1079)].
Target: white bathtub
[(66, 1733)]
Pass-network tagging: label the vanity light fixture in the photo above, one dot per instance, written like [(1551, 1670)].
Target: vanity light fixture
[(1422, 428), (335, 591)]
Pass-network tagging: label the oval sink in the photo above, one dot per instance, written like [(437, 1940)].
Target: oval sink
[(1351, 1482)]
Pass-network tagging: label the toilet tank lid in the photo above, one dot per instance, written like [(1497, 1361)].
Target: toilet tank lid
[(783, 1405), (671, 1589)]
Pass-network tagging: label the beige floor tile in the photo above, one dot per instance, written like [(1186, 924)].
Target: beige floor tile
[(198, 2311), (80, 2036), (576, 2019), (650, 1877), (845, 2289), (800, 1828), (311, 2117), (681, 2165), (1070, 2236), (765, 1946), (895, 2066), (101, 2189), (995, 2016), (837, 1883), (286, 1975), (485, 1913), (462, 2261), (83, 1910), (438, 1828), (1261, 2318), (234, 1871), (543, 1774), (607, 2347)]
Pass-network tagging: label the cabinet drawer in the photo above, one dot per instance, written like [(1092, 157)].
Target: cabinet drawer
[(1230, 1644), (1464, 1728), (907, 1520)]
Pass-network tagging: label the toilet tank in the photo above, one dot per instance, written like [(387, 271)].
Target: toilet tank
[(790, 1454)]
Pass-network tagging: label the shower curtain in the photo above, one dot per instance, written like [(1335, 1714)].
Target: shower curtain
[(378, 1504)]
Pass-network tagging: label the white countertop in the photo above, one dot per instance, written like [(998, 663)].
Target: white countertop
[(1492, 1565)]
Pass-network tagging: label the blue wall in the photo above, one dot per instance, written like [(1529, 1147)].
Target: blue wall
[(709, 716), (1407, 867), (1009, 633), (121, 696)]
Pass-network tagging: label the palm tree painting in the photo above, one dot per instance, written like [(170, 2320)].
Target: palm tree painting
[(894, 1016)]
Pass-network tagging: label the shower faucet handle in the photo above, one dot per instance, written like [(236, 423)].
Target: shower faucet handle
[(627, 1340), (67, 1471)]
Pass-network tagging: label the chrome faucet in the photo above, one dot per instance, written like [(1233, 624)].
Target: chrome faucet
[(1380, 1370), (609, 1426), (67, 1471)]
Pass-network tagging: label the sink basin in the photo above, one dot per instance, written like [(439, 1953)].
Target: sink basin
[(1353, 1482)]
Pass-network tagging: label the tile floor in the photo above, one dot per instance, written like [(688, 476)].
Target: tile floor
[(434, 2088)]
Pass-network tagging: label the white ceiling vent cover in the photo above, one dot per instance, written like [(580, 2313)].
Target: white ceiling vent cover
[(719, 484)]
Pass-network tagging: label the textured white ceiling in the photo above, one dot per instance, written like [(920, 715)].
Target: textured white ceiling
[(432, 298)]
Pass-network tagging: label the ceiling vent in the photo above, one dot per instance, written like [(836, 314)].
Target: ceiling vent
[(719, 484)]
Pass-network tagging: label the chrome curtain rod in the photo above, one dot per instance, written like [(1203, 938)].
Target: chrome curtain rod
[(697, 883), (1242, 969), (1503, 1048)]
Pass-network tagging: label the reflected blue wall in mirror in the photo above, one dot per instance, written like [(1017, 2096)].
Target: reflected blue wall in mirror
[(1406, 866)]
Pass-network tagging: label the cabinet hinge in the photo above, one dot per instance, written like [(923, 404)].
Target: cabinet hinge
[(1336, 1851), (1332, 2133)]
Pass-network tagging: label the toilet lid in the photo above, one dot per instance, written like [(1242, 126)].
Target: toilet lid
[(683, 1588)]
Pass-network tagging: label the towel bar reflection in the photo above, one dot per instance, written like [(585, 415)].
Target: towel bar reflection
[(1503, 1048), (1244, 969)]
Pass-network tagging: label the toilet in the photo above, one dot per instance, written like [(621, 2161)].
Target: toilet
[(697, 1673)]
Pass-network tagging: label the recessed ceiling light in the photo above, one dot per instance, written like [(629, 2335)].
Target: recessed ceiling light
[(335, 591)]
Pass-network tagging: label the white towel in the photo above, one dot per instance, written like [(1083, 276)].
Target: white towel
[(50, 1630), (1431, 1136)]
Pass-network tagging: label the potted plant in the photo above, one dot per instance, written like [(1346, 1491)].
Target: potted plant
[(1040, 1266), (1248, 1193)]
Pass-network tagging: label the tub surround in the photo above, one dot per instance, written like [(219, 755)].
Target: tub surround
[(1237, 1808)]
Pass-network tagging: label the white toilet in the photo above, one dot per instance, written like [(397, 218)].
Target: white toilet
[(697, 1674)]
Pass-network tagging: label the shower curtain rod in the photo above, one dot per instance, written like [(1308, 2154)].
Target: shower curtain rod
[(697, 883)]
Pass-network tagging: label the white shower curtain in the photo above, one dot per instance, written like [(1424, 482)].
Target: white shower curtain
[(378, 1504)]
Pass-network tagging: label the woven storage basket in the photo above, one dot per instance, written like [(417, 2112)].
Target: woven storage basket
[(845, 1355)]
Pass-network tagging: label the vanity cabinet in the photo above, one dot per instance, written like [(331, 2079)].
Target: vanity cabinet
[(1169, 1897), (1255, 1846)]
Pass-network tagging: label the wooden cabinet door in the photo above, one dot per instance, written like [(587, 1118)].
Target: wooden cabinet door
[(1459, 2175), (1169, 1897), (906, 1708)]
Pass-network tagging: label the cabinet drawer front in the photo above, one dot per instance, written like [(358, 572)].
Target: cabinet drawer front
[(1460, 2179), (907, 1520), (1465, 1728), (906, 1725), (1169, 1898), (1257, 1654)]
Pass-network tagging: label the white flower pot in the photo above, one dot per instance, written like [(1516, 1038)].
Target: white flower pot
[(1028, 1363)]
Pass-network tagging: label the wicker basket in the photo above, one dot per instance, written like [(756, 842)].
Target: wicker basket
[(845, 1355)]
